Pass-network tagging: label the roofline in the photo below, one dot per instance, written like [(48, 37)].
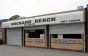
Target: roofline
[(55, 13), (49, 14)]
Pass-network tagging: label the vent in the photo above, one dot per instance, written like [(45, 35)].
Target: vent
[(80, 8)]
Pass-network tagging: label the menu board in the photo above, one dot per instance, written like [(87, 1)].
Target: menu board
[(41, 36)]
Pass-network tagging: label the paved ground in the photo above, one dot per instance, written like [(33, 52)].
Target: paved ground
[(6, 50)]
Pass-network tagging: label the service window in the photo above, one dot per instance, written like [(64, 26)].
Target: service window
[(35, 33), (54, 35), (58, 36), (72, 36)]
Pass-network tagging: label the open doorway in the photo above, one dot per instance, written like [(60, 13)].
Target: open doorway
[(35, 38)]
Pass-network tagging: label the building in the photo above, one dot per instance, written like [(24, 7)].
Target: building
[(2, 30), (62, 30)]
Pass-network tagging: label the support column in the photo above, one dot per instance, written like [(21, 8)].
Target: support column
[(47, 37), (5, 36), (22, 36), (86, 30)]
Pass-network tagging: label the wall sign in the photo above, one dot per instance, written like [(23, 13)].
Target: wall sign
[(71, 20), (35, 21)]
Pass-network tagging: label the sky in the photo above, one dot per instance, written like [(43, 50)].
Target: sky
[(29, 8)]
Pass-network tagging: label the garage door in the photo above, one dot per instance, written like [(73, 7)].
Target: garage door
[(67, 29), (14, 36)]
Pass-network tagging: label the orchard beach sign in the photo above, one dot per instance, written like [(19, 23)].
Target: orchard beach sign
[(72, 17), (33, 22)]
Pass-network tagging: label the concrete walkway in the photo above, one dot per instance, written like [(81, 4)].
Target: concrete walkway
[(6, 50)]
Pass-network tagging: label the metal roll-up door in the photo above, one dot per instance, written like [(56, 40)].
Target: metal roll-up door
[(67, 29), (34, 27), (14, 36)]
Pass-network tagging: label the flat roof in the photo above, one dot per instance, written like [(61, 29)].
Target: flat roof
[(55, 13), (49, 14)]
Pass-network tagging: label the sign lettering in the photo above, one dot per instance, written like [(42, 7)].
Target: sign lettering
[(36, 21)]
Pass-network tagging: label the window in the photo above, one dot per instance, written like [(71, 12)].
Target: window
[(34, 33), (54, 35), (72, 36)]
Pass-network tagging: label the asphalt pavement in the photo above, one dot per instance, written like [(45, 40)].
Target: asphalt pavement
[(6, 50)]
